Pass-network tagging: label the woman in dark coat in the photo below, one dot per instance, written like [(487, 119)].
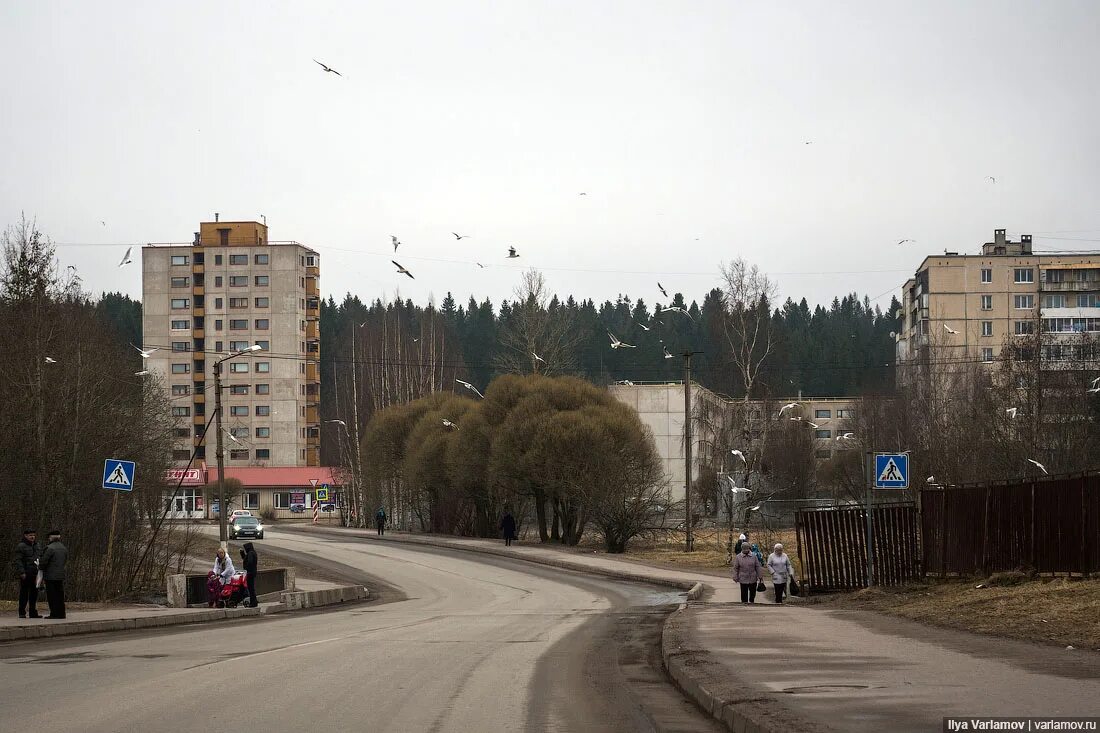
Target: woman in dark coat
[(508, 527)]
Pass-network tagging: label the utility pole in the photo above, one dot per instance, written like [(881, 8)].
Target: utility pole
[(869, 509), (223, 535), (690, 534)]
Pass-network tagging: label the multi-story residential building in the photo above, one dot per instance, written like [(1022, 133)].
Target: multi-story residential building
[(960, 308), (229, 289)]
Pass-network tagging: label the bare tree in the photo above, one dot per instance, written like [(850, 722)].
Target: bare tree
[(536, 336)]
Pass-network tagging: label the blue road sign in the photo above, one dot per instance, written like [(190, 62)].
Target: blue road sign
[(891, 470), (322, 493), (118, 475)]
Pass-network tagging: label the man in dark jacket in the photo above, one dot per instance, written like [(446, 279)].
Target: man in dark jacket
[(508, 528), (52, 565), (248, 554), (25, 566), (380, 520)]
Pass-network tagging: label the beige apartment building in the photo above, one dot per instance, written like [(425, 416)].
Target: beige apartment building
[(961, 308), (227, 290)]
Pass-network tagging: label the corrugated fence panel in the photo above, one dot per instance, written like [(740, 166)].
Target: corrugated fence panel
[(833, 547)]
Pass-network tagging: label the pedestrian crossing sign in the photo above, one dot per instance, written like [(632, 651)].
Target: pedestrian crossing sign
[(118, 474), (891, 470), (322, 493)]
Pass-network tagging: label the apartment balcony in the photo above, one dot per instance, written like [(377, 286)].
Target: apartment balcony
[(313, 330), (313, 271), (1075, 286), (312, 371), (312, 290), (200, 398), (198, 333), (313, 456), (198, 268)]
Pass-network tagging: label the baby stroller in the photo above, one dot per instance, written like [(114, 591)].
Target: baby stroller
[(228, 595)]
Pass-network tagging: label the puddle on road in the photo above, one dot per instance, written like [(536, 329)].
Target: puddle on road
[(817, 689)]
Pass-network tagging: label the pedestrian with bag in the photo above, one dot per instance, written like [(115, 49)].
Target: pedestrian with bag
[(250, 561), (52, 566), (779, 563), (508, 528), (747, 571), (380, 521), (25, 567)]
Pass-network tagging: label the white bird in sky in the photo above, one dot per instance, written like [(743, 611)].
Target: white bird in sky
[(538, 358), (1040, 466), (949, 329), (338, 422), (142, 373), (812, 424), (677, 309), (126, 257), (667, 355), (328, 68), (1095, 382), (644, 327), (625, 382), (232, 437), (459, 237), (401, 270), (739, 454), (903, 241), (50, 360), (930, 479), (448, 424), (1094, 390), (1011, 412), (470, 387), (512, 253), (662, 289), (754, 508), (480, 265), (789, 406), (992, 178), (144, 353), (796, 419), (617, 344), (396, 242), (737, 489), (846, 436)]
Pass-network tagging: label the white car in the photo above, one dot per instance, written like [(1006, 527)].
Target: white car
[(239, 513)]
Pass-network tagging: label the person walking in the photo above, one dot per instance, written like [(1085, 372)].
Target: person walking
[(250, 560), (740, 541), (779, 563), (220, 574), (747, 571), (508, 528), (25, 566), (380, 520), (756, 551), (52, 565)]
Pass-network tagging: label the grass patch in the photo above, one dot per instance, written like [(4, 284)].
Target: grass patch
[(1058, 611), (710, 548)]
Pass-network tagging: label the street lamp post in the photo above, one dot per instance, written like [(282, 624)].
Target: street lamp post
[(223, 532)]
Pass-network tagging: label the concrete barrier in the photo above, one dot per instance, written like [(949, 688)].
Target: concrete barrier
[(295, 600), (49, 629), (189, 590)]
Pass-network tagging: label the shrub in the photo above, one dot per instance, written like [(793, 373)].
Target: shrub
[(267, 514)]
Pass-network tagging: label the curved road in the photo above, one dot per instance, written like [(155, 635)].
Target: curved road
[(458, 642)]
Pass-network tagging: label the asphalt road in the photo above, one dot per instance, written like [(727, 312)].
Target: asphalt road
[(456, 642)]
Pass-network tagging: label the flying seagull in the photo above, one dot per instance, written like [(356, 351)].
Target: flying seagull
[(625, 382), (644, 327), (396, 242), (812, 424), (1095, 382), (126, 257), (582, 193), (737, 489), (232, 437), (754, 508), (1041, 466), (992, 178), (142, 373), (903, 241), (144, 354), (789, 406), (1094, 390), (448, 424), (470, 387), (538, 358), (617, 344), (796, 419), (1011, 412), (662, 289), (480, 265), (103, 222), (460, 236), (678, 309), (51, 360), (739, 454), (845, 436), (949, 329), (338, 422), (328, 68), (512, 253), (667, 355), (401, 270), (930, 479)]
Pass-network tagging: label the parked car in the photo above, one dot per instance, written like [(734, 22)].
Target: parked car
[(239, 513), (246, 527)]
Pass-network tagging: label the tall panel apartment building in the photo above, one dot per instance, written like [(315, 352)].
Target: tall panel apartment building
[(227, 290), (1006, 291)]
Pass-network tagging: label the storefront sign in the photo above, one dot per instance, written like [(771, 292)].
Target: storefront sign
[(189, 476)]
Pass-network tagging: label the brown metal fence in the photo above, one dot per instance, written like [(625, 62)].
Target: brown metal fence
[(832, 546), (1050, 525)]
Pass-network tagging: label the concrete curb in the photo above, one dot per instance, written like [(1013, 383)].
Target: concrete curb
[(291, 601)]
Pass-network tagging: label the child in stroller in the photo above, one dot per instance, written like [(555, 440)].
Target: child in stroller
[(228, 595)]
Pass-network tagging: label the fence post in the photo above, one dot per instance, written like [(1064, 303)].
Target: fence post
[(869, 475)]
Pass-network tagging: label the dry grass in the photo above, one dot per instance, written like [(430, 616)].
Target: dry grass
[(1064, 612), (710, 548)]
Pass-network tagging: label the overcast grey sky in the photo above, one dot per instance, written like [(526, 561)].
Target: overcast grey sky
[(684, 122)]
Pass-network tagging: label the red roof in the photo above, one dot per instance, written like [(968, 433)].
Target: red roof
[(296, 476)]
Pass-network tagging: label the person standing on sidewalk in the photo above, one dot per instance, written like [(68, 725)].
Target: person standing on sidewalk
[(380, 520), (508, 528), (740, 541), (779, 563), (251, 561), (52, 565), (25, 565), (747, 571)]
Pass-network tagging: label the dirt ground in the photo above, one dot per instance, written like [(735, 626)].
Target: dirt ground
[(1055, 611), (710, 548)]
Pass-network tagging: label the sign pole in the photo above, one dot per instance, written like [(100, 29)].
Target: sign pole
[(868, 511), (111, 535)]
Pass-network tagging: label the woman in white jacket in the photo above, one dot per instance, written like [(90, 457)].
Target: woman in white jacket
[(223, 566), (780, 566)]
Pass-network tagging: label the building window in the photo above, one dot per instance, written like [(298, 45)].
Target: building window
[(238, 324), (219, 303), (181, 432), (263, 388), (179, 390), (181, 411), (238, 302), (181, 325), (239, 410), (823, 433), (264, 345), (239, 432), (218, 347), (181, 368), (181, 303), (181, 455), (1088, 300), (843, 413), (238, 345), (263, 432), (263, 410), (238, 389), (311, 260), (238, 281), (251, 500), (179, 346), (262, 324), (260, 259), (179, 259), (238, 454), (238, 259), (218, 281), (281, 500), (987, 354), (1024, 275), (238, 367), (1056, 276), (263, 454), (263, 302), (262, 280), (987, 275), (181, 282), (1024, 328), (823, 413), (218, 324), (1022, 302), (987, 302), (987, 328), (263, 367), (1057, 300), (217, 259)]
